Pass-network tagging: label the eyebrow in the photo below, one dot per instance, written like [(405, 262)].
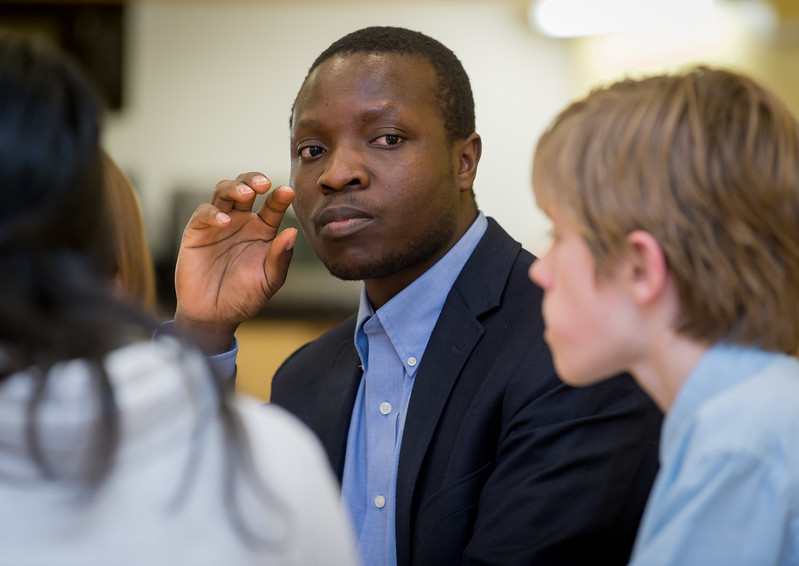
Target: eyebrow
[(378, 112), (368, 115)]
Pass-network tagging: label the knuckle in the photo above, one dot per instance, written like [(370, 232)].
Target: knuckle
[(223, 186)]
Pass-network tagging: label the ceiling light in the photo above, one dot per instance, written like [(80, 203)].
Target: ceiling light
[(574, 18)]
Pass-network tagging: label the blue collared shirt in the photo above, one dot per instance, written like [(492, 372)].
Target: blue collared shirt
[(391, 343), (728, 488), (221, 364)]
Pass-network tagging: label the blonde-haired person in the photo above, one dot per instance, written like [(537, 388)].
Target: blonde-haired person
[(135, 276), (675, 208)]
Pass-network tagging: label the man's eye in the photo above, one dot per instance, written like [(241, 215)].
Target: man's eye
[(311, 151), (388, 139)]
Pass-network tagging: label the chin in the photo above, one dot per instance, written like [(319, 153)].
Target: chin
[(573, 381), (575, 377), (350, 272), (361, 267)]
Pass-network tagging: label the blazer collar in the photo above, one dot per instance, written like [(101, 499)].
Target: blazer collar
[(477, 290), (484, 276)]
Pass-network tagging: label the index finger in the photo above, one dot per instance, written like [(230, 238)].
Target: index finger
[(257, 181), (240, 194)]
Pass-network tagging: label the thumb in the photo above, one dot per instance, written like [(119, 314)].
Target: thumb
[(278, 259)]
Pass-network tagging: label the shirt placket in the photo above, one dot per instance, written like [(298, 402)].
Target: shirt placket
[(384, 377)]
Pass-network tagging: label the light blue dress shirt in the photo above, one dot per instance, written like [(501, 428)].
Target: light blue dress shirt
[(727, 492), (223, 364), (391, 343)]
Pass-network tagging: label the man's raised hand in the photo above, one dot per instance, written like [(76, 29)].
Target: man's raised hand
[(232, 260)]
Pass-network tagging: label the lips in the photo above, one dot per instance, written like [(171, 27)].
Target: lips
[(341, 221)]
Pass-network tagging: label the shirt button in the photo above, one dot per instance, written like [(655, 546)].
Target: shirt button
[(385, 407), (411, 361), (380, 501)]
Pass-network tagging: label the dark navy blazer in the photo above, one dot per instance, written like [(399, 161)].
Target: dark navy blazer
[(500, 463)]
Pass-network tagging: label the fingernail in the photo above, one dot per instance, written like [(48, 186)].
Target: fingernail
[(260, 180), (222, 218), (243, 189)]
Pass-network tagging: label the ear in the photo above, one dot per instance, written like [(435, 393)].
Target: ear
[(468, 154), (647, 269)]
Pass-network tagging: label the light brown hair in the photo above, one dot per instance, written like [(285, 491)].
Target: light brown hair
[(135, 270), (707, 161)]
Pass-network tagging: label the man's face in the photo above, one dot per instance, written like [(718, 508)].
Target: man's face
[(375, 175)]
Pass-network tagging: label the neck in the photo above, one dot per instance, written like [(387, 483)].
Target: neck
[(664, 371), (381, 290)]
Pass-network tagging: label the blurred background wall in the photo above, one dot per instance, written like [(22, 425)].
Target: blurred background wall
[(207, 84), (206, 87)]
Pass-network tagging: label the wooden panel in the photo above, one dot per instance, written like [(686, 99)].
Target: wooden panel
[(265, 344)]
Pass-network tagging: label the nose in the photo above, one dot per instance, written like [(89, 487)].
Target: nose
[(539, 274), (343, 168)]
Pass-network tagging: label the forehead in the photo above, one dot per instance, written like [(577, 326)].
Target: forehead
[(402, 83)]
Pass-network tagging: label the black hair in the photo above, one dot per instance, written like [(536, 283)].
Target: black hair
[(454, 90), (53, 229), (57, 258)]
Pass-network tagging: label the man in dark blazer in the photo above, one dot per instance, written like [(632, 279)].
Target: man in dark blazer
[(501, 462), (482, 455)]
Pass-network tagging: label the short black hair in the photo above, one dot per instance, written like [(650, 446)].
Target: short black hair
[(454, 90)]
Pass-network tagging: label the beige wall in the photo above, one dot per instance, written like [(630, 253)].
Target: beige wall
[(210, 84), (751, 36)]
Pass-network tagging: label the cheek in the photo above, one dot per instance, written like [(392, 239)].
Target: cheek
[(565, 320), (572, 329), (303, 177), (303, 201), (589, 340)]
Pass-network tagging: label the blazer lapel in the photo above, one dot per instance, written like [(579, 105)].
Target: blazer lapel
[(323, 395), (477, 290), (338, 398)]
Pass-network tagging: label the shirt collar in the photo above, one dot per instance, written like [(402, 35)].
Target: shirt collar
[(722, 367), (410, 316)]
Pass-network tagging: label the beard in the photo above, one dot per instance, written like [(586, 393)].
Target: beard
[(415, 250)]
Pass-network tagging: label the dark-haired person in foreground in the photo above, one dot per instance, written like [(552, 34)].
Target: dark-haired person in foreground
[(438, 404), (115, 448)]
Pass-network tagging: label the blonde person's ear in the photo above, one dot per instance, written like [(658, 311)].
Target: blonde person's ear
[(647, 269)]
